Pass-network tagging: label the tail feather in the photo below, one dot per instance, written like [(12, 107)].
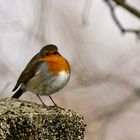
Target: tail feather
[(18, 93)]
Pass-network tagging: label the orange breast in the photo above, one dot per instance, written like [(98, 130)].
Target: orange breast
[(56, 63)]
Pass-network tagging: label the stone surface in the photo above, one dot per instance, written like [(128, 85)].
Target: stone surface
[(29, 121)]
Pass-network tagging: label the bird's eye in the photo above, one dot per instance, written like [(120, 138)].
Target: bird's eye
[(49, 53), (55, 52)]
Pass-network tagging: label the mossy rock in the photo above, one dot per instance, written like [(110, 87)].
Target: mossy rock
[(22, 120)]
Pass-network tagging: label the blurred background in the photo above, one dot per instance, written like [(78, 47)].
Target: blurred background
[(105, 81)]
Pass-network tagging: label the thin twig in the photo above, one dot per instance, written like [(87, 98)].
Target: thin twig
[(122, 29), (127, 7)]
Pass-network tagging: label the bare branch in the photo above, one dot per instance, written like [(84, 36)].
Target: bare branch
[(130, 9)]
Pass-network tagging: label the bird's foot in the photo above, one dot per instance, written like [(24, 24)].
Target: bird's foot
[(44, 105)]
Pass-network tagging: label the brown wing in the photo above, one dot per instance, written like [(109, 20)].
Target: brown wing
[(28, 72)]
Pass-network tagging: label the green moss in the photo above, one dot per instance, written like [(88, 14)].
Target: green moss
[(29, 121)]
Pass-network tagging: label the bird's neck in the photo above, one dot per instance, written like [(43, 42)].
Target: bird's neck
[(56, 63)]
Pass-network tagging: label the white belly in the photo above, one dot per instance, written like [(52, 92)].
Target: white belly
[(47, 85), (61, 80)]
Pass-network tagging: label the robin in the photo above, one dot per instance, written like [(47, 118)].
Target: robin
[(46, 73)]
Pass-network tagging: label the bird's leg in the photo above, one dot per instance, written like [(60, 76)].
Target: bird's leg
[(43, 104), (52, 101)]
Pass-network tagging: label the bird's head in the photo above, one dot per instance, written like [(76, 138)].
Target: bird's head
[(55, 61), (48, 50)]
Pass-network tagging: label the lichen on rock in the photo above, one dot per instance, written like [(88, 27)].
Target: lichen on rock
[(22, 120)]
